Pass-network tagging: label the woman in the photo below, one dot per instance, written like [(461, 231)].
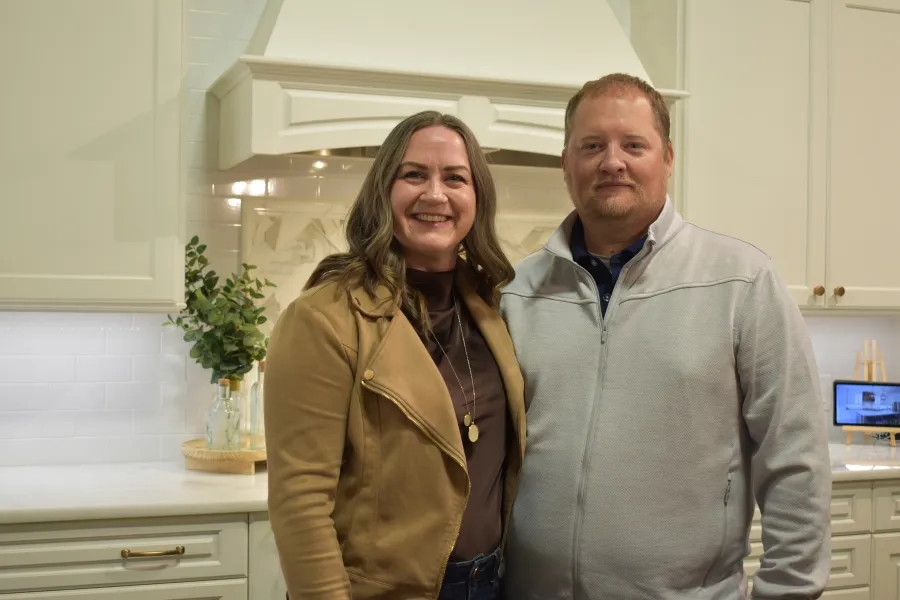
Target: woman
[(394, 402)]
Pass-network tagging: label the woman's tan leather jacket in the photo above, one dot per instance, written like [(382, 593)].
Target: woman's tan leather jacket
[(367, 474)]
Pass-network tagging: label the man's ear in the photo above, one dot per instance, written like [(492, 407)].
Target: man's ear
[(670, 159)]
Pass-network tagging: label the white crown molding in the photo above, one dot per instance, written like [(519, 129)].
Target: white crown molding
[(273, 106), (293, 74)]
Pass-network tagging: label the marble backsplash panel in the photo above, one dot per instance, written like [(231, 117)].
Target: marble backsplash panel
[(286, 239)]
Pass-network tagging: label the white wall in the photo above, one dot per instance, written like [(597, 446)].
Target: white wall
[(107, 387)]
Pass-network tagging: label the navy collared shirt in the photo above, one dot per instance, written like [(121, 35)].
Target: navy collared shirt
[(605, 278)]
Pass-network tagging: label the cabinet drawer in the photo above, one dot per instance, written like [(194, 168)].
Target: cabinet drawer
[(851, 508), (235, 589), (851, 511), (851, 557), (887, 507), (851, 561), (87, 554)]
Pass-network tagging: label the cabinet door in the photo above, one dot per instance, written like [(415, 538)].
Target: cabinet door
[(864, 206), (235, 589), (266, 579), (90, 160), (886, 566), (755, 130)]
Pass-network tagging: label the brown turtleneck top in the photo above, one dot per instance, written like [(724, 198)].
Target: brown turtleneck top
[(481, 527)]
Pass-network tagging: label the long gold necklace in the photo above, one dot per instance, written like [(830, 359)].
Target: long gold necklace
[(469, 417)]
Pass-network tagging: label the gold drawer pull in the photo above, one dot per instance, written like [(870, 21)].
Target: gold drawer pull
[(178, 551)]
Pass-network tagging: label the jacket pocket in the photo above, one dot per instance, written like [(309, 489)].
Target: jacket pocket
[(726, 525), (362, 587)]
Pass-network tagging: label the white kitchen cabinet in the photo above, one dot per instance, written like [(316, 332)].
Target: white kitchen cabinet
[(266, 579), (90, 155), (863, 200), (197, 590), (790, 137)]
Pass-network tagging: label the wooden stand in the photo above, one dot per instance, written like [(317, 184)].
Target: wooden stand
[(870, 373), (197, 457)]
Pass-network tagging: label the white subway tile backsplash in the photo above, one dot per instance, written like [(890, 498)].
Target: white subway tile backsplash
[(37, 424), (206, 209), (130, 449), (159, 422), (158, 367), (133, 395), (197, 154), (172, 341), (97, 423), (133, 341), (200, 76), (37, 369), (41, 340), (103, 368)]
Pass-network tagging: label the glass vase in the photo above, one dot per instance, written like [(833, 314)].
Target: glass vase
[(223, 422), (257, 410)]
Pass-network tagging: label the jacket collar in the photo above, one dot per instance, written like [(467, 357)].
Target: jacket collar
[(660, 231)]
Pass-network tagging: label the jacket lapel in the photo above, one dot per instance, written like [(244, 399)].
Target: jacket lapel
[(402, 370)]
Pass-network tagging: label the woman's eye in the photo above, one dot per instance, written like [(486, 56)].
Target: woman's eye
[(458, 178), (413, 175)]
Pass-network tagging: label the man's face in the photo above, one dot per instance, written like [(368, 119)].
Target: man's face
[(615, 163)]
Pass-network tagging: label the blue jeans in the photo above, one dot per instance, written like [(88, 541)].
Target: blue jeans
[(477, 579)]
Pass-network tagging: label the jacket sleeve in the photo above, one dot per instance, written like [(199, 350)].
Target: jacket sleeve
[(307, 393), (790, 465)]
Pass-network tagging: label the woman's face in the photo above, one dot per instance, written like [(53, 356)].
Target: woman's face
[(433, 199)]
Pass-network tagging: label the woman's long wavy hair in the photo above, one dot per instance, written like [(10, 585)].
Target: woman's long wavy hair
[(374, 256)]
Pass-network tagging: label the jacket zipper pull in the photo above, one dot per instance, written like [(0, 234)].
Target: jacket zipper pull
[(603, 334), (728, 489)]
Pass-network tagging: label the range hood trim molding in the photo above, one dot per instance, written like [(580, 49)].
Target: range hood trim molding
[(280, 106), (295, 74)]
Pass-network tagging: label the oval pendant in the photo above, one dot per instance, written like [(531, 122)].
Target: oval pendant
[(473, 433), (467, 419)]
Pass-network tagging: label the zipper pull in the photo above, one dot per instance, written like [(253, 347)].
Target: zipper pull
[(603, 333), (728, 489)]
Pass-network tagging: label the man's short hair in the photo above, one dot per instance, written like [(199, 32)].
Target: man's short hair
[(621, 82)]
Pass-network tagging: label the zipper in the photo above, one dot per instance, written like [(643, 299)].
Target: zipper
[(418, 423), (582, 484), (717, 558), (604, 336)]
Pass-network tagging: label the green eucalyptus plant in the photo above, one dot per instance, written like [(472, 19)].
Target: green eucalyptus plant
[(222, 322)]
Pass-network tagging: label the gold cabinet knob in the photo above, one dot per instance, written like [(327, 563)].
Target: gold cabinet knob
[(819, 290), (839, 290)]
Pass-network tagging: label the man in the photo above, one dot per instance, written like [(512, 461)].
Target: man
[(669, 381)]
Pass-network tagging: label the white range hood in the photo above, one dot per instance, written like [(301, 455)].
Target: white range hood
[(338, 74)]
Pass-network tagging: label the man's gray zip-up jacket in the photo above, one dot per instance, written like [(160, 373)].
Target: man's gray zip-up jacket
[(650, 430)]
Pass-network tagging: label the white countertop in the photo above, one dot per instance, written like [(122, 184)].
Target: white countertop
[(111, 491), (864, 462), (83, 492)]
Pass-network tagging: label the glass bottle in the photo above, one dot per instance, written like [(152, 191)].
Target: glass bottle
[(257, 410), (223, 423)]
